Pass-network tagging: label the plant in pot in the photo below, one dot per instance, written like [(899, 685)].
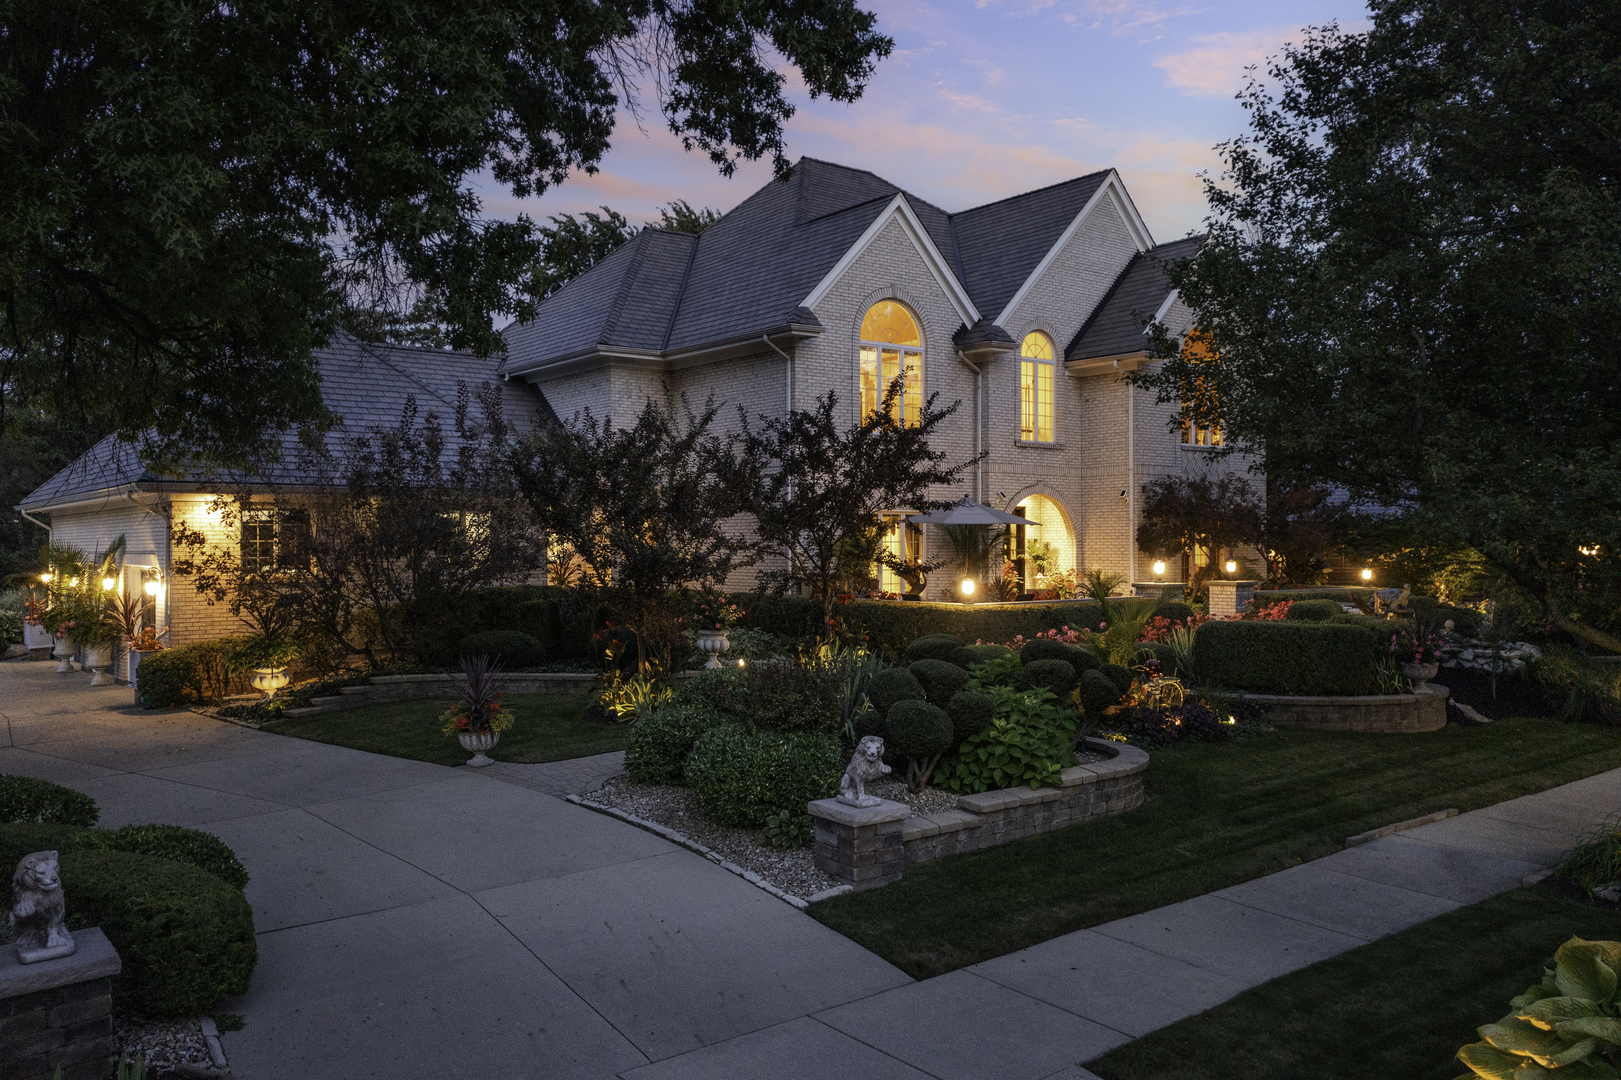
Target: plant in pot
[(713, 615), (1418, 650), (477, 720)]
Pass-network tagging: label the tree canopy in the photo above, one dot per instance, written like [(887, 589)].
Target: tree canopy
[(194, 193), (1412, 282)]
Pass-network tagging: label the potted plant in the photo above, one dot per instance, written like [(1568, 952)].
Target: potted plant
[(265, 657), (95, 635), (714, 615), (35, 636), (477, 719), (146, 640), (1419, 652)]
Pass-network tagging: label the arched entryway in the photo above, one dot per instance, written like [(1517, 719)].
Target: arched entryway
[(1043, 557)]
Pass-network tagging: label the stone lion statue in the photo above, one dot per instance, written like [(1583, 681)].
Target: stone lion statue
[(38, 913), (865, 766)]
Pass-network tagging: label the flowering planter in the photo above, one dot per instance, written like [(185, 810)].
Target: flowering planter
[(1420, 674), (98, 660), (63, 651), (478, 743), (267, 680), (713, 643)]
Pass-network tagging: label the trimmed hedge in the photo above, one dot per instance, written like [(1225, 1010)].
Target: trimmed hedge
[(971, 713), (890, 685), (891, 624), (969, 655), (1175, 610), (711, 688), (1098, 692), (782, 694), (918, 731), (931, 647), (742, 778), (940, 681), (200, 671), (1119, 675), (508, 648), (184, 932), (1314, 610), (24, 798), (657, 746), (1055, 675), (1299, 658)]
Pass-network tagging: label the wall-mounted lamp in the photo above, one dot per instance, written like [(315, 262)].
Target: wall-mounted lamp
[(151, 588), (1367, 573), (967, 590), (45, 578), (1232, 566), (107, 584), (1159, 567)]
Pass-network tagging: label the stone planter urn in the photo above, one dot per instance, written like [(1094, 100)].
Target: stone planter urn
[(1420, 673), (98, 660), (267, 680), (36, 636), (713, 643), (63, 650), (135, 658), (478, 743)]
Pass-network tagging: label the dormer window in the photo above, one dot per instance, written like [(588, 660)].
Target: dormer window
[(1036, 388), (891, 345)]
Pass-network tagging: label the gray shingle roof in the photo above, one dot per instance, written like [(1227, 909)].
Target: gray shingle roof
[(364, 386), (1116, 327), (748, 272)]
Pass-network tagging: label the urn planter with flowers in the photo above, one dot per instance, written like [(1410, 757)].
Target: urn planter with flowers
[(714, 615), (265, 658), (477, 720), (1419, 652)]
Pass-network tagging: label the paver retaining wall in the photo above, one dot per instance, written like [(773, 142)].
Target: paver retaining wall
[(1394, 713), (868, 847)]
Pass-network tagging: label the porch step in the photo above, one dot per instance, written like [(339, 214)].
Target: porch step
[(334, 700), (354, 689)]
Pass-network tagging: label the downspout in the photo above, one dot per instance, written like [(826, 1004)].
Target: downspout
[(979, 423), (788, 370), (1131, 479), (34, 519)]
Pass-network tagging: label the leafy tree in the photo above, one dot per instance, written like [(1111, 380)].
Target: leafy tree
[(1204, 513), (572, 245), (645, 509), (195, 192), (817, 488), (679, 216), (1299, 527), (1412, 283)]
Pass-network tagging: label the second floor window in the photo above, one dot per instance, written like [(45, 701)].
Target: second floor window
[(891, 345), (1036, 366), (1201, 424)]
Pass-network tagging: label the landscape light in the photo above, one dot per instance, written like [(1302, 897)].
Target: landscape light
[(1232, 566), (73, 582), (107, 584), (739, 661), (968, 586), (1159, 567), (1367, 573)]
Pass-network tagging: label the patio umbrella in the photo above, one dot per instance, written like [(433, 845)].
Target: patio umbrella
[(966, 511)]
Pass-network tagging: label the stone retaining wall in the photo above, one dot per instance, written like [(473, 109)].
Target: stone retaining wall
[(1392, 713), (868, 847), (58, 1014)]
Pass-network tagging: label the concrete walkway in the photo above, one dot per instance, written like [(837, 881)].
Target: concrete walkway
[(575, 776), (419, 921)]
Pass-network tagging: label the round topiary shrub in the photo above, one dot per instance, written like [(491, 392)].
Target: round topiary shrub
[(1098, 692), (920, 733), (1162, 652), (1120, 676), (891, 685), (971, 713), (969, 655), (931, 647), (658, 744), (939, 679), (203, 850), (1044, 649), (867, 723), (1314, 610), (1055, 675), (23, 798), (1174, 610), (509, 648), (743, 777)]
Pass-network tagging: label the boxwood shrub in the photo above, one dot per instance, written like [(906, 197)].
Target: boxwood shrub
[(931, 647), (192, 846), (200, 671), (23, 798), (1300, 658), (890, 624), (1055, 675), (939, 679), (657, 745), (971, 712), (742, 777), (1314, 610), (891, 685)]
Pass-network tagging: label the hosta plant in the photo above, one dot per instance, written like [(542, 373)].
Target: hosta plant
[(1564, 1027), (1029, 742)]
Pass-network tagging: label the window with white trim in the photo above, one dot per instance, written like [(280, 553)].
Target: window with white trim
[(891, 345), (1036, 368)]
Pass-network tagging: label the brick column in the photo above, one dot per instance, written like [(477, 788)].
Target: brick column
[(1228, 598), (860, 846), (57, 1014)]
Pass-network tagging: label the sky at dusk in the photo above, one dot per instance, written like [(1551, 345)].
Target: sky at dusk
[(987, 98)]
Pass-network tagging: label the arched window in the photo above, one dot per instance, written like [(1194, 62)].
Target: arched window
[(891, 345), (1201, 411), (1036, 366)]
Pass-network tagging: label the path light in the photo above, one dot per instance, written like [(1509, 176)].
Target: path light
[(107, 584), (1159, 567), (967, 588), (1367, 573), (740, 661), (1232, 566), (73, 583)]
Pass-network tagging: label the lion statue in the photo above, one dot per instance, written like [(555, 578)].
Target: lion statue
[(866, 766), (38, 914)]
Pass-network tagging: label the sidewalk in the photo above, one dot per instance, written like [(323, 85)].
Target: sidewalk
[(422, 921)]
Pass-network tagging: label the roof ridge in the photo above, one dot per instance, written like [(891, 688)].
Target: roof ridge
[(1103, 301), (853, 206), (680, 292), (1033, 191), (622, 296)]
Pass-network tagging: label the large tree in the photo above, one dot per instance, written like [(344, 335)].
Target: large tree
[(193, 192), (1412, 283)]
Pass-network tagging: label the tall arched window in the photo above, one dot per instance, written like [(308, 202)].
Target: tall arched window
[(1201, 411), (891, 345), (1036, 367)]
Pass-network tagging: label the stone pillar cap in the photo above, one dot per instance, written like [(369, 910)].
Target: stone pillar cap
[(95, 958), (856, 816)]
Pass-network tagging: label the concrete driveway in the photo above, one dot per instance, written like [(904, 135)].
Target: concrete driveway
[(422, 921)]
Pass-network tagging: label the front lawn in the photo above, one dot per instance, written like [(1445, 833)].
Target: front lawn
[(1215, 816), (549, 727), (1400, 1006)]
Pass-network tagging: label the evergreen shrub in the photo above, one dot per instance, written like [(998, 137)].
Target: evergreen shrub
[(971, 712), (1313, 610), (1055, 675), (1098, 692), (1119, 675), (940, 680), (891, 685), (24, 798), (931, 647), (510, 649), (743, 777), (1298, 658), (200, 671), (657, 744)]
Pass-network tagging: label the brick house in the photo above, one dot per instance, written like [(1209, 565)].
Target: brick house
[(1027, 310)]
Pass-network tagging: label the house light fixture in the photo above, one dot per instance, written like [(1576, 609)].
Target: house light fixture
[(1367, 573), (45, 578), (151, 588), (73, 582), (1159, 567), (107, 584), (966, 589)]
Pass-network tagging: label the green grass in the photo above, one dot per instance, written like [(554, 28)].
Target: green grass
[(549, 727), (1401, 1006), (1215, 816)]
